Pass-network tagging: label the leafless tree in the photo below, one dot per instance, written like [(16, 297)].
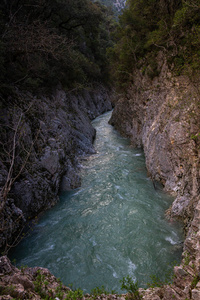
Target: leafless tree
[(11, 153)]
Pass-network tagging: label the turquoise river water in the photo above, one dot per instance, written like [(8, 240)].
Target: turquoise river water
[(110, 227)]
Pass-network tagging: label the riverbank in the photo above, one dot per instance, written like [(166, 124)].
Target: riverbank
[(38, 283), (186, 281), (42, 139), (113, 223), (162, 116)]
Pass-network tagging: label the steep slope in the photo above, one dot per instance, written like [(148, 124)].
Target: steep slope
[(156, 65), (162, 116), (49, 50), (41, 141)]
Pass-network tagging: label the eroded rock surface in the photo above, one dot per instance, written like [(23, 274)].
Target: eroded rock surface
[(48, 136), (37, 283), (162, 116)]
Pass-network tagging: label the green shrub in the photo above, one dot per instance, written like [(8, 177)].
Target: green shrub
[(131, 287)]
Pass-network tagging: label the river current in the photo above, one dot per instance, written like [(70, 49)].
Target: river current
[(112, 226)]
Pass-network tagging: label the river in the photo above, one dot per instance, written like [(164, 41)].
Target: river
[(112, 226)]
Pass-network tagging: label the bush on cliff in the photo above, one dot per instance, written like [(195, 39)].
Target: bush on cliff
[(146, 27)]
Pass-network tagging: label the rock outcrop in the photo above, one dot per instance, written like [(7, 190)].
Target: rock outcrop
[(42, 139), (28, 283), (162, 116), (119, 4), (38, 283)]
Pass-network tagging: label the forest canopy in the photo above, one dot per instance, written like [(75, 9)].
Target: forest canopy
[(46, 42), (149, 26)]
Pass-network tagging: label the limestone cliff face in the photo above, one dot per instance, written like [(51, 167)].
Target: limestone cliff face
[(52, 133), (119, 4), (162, 116)]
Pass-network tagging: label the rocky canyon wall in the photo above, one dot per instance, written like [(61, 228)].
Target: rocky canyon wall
[(42, 139), (162, 116)]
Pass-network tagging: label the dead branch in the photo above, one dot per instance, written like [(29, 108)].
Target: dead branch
[(6, 188), (193, 4), (23, 39), (12, 156)]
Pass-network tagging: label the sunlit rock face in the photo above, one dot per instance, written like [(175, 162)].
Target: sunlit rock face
[(119, 4), (116, 5)]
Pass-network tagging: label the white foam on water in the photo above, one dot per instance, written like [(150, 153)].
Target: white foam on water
[(131, 269), (99, 258), (132, 212), (115, 275), (92, 239), (169, 239)]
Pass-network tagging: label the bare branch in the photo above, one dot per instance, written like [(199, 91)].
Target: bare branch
[(11, 158), (193, 4), (36, 38), (6, 188)]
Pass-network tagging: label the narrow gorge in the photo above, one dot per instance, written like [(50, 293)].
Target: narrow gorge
[(110, 227), (64, 63), (162, 116), (52, 132)]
